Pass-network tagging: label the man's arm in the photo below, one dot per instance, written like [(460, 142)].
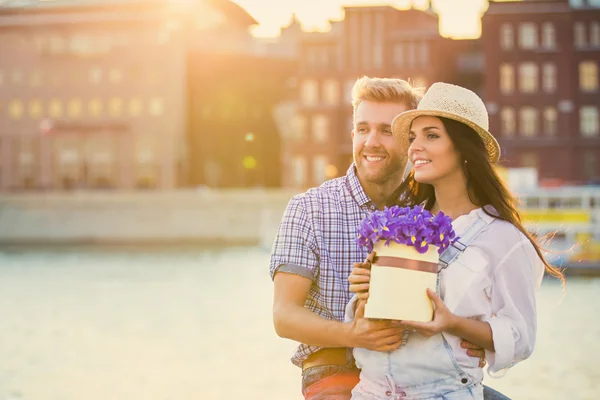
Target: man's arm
[(293, 321)]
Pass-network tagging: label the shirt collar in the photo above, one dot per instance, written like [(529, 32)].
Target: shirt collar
[(356, 189)]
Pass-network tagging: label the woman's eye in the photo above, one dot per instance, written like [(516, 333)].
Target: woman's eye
[(411, 139), (432, 136)]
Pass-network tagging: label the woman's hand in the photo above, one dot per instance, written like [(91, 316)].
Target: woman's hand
[(443, 318), (360, 277)]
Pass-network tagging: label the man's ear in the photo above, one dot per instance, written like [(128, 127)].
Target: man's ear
[(352, 134)]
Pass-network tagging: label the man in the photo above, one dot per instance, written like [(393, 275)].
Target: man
[(314, 250)]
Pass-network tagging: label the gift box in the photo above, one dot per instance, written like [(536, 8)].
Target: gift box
[(400, 276), (407, 243)]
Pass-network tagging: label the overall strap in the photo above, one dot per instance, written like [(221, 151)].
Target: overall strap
[(459, 245)]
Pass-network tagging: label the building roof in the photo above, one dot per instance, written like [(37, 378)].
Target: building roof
[(228, 7), (540, 6)]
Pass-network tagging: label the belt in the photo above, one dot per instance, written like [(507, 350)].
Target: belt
[(329, 356)]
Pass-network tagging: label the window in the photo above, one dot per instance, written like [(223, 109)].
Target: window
[(378, 40), (529, 159), (507, 37), (135, 107), (320, 128), (74, 108), (399, 58), (507, 116), (548, 36), (348, 91), (331, 92), (367, 40), (35, 109), (588, 121), (579, 33), (412, 54), (528, 121), (35, 79), (549, 78), (115, 75), (15, 109), (55, 108), (528, 36), (528, 78), (507, 79), (156, 107), (550, 121), (299, 127), (309, 93), (115, 107), (17, 77), (424, 53), (595, 34), (299, 171), (95, 107), (588, 76), (95, 75), (319, 169)]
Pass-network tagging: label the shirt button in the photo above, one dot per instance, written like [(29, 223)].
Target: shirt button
[(388, 393), (402, 394), (464, 380)]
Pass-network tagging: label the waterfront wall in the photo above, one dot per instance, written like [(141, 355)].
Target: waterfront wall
[(190, 216)]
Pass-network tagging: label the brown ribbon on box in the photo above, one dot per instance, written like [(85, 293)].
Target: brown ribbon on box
[(406, 263)]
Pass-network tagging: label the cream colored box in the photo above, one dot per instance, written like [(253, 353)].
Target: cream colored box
[(398, 290)]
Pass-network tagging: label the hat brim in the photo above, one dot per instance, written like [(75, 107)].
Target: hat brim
[(402, 122)]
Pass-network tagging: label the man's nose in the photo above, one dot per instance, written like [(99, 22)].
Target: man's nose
[(372, 139)]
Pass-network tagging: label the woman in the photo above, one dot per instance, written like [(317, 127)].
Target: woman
[(487, 287)]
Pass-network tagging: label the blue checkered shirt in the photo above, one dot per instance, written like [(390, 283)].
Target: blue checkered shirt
[(316, 239)]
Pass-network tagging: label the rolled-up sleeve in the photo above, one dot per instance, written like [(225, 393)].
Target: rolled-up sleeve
[(514, 320), (294, 249)]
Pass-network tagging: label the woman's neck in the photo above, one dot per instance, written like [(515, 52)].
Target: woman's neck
[(452, 198)]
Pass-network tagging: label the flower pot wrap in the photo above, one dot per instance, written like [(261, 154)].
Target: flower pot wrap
[(400, 276)]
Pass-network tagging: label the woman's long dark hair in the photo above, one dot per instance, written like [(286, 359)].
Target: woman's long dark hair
[(484, 186)]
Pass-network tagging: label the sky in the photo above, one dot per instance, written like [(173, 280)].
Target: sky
[(458, 18)]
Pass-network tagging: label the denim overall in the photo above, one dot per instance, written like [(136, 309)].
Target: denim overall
[(425, 367)]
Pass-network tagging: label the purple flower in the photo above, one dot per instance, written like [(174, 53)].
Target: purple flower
[(415, 227)]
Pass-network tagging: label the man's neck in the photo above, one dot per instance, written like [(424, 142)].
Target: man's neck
[(380, 193), (453, 199)]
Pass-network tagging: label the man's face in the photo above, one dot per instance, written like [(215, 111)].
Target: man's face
[(378, 155)]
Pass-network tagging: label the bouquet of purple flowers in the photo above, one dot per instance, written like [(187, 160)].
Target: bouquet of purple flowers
[(415, 227)]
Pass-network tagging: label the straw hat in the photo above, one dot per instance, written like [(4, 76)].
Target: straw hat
[(453, 102)]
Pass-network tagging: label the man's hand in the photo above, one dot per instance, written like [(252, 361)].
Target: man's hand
[(376, 335), (474, 351), (360, 277)]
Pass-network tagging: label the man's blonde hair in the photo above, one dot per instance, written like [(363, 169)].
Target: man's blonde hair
[(385, 90)]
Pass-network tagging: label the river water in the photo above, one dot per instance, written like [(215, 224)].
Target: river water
[(99, 324)]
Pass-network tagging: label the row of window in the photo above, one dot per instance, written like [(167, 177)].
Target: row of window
[(319, 127), (529, 125), (528, 36), (589, 162), (76, 108), (322, 170), (94, 76), (529, 82)]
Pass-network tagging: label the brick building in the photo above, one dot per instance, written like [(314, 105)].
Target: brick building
[(375, 41), (541, 86)]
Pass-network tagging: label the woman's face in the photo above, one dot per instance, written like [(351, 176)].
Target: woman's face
[(432, 153)]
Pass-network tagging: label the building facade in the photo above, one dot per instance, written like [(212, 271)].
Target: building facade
[(102, 93), (379, 41), (541, 86)]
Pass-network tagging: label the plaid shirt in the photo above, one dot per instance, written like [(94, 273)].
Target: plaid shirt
[(316, 239)]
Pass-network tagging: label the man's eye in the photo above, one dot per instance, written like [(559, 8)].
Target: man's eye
[(387, 131)]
